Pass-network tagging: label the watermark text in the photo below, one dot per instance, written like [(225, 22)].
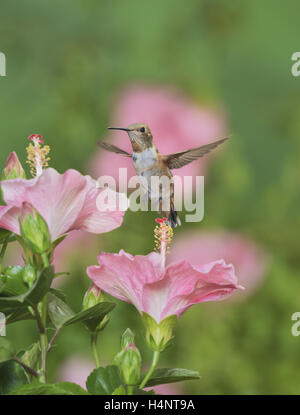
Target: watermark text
[(2, 64), (156, 193), (295, 69), (296, 326), (2, 324)]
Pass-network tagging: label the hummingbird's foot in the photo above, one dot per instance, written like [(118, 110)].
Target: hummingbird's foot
[(173, 219)]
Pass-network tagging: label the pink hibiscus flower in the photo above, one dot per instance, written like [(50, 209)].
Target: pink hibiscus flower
[(66, 201), (141, 281)]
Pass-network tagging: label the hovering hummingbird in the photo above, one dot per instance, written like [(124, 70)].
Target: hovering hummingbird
[(149, 162)]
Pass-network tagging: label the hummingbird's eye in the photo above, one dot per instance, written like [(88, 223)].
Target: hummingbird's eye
[(142, 129)]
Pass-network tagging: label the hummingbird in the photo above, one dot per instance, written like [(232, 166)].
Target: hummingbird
[(149, 162)]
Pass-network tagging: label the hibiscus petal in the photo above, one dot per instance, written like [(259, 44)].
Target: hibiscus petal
[(9, 218), (123, 276), (92, 218), (190, 285)]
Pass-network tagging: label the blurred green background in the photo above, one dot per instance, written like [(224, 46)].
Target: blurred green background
[(66, 61)]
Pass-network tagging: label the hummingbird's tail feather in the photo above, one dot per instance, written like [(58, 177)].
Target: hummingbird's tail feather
[(173, 219)]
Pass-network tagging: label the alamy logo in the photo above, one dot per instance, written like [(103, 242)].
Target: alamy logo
[(2, 325), (2, 64), (296, 66), (296, 326), (155, 194)]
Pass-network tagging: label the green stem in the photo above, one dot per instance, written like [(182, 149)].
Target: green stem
[(43, 335), (44, 346), (94, 337), (151, 370), (45, 259), (4, 246), (27, 368), (53, 339), (130, 390), (39, 320)]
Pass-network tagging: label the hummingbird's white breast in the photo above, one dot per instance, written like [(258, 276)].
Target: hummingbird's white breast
[(145, 164), (147, 168), (145, 160)]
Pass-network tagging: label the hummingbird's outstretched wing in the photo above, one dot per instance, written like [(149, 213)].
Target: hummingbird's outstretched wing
[(113, 149), (178, 160)]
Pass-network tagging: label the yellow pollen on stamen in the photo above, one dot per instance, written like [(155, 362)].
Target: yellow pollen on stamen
[(163, 235), (37, 157)]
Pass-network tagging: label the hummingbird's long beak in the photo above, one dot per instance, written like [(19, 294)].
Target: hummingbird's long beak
[(118, 128)]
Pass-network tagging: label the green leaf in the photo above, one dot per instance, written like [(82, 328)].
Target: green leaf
[(12, 376), (161, 376), (59, 311), (62, 315), (137, 391), (31, 357), (58, 241), (20, 315), (7, 351), (71, 388), (40, 287), (4, 234), (37, 389), (59, 293), (61, 388), (12, 279), (119, 391), (92, 316), (30, 297), (59, 274), (103, 381)]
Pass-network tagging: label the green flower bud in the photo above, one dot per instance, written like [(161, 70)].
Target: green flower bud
[(127, 338), (129, 363), (92, 297), (159, 335), (29, 275), (34, 229), (13, 168)]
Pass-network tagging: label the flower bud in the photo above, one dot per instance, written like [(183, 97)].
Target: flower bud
[(159, 335), (34, 229), (29, 275), (92, 297), (127, 338), (129, 363), (13, 168)]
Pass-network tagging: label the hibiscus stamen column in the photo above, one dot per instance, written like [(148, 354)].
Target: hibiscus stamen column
[(37, 155), (163, 235)]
